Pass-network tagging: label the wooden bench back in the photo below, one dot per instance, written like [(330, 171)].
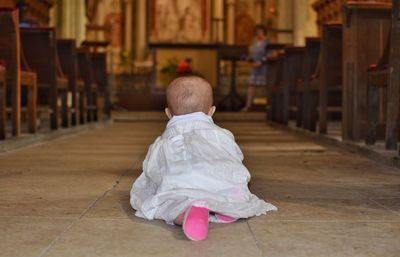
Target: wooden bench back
[(9, 46), (39, 46), (331, 58), (99, 64), (274, 81), (99, 69), (272, 69), (85, 70), (311, 55), (66, 49), (291, 72), (365, 34), (279, 73), (292, 67)]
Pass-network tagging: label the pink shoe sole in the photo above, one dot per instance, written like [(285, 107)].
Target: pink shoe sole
[(224, 219), (195, 222)]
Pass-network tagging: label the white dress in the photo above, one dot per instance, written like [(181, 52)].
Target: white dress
[(194, 159)]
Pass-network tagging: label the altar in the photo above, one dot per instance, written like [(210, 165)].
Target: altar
[(175, 59)]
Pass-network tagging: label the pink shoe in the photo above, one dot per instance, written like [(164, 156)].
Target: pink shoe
[(224, 219), (195, 222)]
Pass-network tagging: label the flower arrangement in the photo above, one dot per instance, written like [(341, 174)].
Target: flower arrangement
[(175, 68), (184, 66)]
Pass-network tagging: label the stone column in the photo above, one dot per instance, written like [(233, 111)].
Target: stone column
[(304, 21), (141, 29), (285, 20), (65, 18), (266, 10), (72, 20), (81, 21), (128, 26), (299, 20), (217, 23), (230, 21), (311, 25), (259, 11)]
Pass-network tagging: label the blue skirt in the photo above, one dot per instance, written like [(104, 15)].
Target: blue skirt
[(258, 76)]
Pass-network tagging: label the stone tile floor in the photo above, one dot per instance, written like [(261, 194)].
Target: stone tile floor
[(70, 197)]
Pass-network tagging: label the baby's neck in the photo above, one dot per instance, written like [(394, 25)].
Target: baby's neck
[(194, 116)]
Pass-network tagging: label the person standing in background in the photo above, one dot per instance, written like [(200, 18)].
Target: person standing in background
[(257, 58)]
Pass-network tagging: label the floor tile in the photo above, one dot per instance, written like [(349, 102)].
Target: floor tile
[(328, 239), (25, 237), (142, 238)]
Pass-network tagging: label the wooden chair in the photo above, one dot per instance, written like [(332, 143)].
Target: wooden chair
[(306, 101), (365, 33), (3, 94), (39, 46), (18, 71), (381, 81), (85, 73), (99, 64), (292, 70), (68, 55)]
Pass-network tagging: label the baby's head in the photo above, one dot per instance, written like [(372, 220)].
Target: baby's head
[(189, 94)]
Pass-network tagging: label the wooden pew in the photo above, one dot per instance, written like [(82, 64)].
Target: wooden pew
[(67, 53), (3, 94), (39, 46), (18, 71), (274, 78), (305, 97), (325, 85), (274, 73), (377, 81), (85, 73), (393, 100), (29, 80), (291, 72), (381, 81), (99, 64), (328, 81), (277, 107), (9, 52), (365, 33)]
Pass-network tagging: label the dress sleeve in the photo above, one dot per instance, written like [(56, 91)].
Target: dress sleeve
[(231, 146)]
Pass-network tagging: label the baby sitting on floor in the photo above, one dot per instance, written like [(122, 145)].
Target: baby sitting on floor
[(193, 173)]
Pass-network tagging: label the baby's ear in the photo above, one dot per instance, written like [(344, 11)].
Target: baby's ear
[(168, 113), (212, 111)]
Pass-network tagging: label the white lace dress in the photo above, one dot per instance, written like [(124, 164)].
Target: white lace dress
[(194, 159)]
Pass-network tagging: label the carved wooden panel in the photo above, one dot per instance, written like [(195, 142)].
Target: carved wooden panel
[(331, 10), (31, 11)]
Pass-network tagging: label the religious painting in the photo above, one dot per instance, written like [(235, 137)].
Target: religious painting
[(244, 23), (244, 27), (183, 21)]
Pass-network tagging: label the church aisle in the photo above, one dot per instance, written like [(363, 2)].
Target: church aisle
[(70, 197)]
